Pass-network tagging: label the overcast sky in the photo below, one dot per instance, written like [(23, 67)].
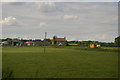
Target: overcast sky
[(73, 20)]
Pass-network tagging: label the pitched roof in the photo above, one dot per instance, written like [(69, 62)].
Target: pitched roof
[(29, 42)]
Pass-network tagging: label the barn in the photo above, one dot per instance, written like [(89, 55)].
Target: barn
[(59, 41)]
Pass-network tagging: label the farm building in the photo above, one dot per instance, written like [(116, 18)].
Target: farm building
[(42, 43), (17, 42), (4, 43), (29, 43), (59, 41)]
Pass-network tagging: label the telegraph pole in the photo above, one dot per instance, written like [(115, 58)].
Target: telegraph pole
[(45, 34), (44, 42)]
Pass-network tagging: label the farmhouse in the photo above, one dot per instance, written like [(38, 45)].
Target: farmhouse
[(59, 41), (29, 43)]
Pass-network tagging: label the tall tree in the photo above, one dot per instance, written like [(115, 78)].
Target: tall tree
[(117, 41)]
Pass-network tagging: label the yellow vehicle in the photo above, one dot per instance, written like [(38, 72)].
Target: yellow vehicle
[(94, 46)]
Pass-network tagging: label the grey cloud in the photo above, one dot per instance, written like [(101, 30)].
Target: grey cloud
[(8, 21)]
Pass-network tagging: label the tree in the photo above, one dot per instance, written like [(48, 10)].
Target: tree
[(8, 40), (117, 41)]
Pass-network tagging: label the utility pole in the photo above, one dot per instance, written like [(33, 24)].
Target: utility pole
[(45, 34), (44, 42)]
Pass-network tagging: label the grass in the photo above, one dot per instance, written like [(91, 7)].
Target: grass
[(64, 62), (7, 73)]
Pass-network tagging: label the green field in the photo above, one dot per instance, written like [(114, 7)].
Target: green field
[(65, 62)]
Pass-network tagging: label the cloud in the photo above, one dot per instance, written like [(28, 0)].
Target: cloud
[(83, 21), (70, 17), (103, 37), (46, 6), (42, 24), (8, 21), (70, 38), (9, 0), (60, 0), (49, 4)]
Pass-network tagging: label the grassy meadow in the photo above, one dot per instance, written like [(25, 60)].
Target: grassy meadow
[(62, 62)]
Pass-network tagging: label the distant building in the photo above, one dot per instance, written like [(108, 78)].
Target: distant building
[(4, 43), (59, 41), (29, 43), (44, 43), (17, 42)]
